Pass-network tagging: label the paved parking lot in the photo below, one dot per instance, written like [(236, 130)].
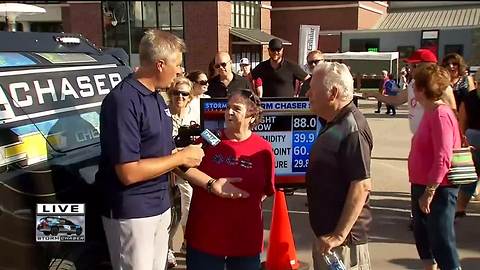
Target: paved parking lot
[(392, 246)]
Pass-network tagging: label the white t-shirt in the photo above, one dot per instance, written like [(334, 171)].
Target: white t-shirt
[(415, 109), (195, 105)]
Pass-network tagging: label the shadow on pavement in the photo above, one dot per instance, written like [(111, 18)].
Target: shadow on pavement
[(470, 263), (391, 194), (383, 115), (390, 158), (391, 218), (408, 263)]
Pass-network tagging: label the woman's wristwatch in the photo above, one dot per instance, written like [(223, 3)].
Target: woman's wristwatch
[(210, 184)]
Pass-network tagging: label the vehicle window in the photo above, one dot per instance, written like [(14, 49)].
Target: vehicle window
[(67, 58), (68, 222), (63, 133), (10, 59)]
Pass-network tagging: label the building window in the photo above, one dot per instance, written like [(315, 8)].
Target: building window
[(405, 51), (124, 22), (364, 45), (457, 48), (246, 14), (429, 40)]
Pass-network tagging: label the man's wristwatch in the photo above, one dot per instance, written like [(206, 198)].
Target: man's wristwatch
[(210, 184)]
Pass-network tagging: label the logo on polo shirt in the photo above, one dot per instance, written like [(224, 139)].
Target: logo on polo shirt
[(167, 112)]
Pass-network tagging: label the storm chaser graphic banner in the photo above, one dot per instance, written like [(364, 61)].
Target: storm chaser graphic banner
[(39, 92)]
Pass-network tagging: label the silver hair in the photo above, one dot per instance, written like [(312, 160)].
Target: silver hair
[(157, 45), (336, 75)]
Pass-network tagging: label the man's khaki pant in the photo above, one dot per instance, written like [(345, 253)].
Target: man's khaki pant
[(138, 243), (355, 257)]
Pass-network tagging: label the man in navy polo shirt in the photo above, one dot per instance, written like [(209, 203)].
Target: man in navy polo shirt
[(279, 76), (137, 154)]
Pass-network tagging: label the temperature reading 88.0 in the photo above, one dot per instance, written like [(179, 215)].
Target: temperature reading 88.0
[(306, 122)]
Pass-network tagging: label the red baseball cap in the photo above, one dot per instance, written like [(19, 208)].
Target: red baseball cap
[(421, 55)]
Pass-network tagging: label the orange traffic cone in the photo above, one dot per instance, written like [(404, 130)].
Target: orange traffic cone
[(281, 253)]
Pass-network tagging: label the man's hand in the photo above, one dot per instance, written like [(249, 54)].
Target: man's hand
[(424, 202), (326, 242), (192, 155), (224, 188)]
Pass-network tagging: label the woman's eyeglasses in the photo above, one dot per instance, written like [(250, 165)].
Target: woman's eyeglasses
[(205, 82), (452, 64), (180, 93), (224, 65), (316, 61)]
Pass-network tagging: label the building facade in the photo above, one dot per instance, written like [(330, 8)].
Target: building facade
[(443, 27), (241, 28), (333, 17)]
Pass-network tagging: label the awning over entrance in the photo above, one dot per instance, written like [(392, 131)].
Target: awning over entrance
[(432, 18), (254, 36)]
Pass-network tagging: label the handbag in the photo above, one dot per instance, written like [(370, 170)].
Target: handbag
[(462, 170)]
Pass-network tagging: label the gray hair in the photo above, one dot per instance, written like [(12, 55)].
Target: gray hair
[(336, 75), (157, 45)]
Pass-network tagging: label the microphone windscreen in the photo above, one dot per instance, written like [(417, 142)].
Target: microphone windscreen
[(210, 137)]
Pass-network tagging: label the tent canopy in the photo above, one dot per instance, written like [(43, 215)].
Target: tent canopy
[(382, 56)]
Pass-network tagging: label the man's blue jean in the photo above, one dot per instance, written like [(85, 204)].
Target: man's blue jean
[(198, 260), (434, 232)]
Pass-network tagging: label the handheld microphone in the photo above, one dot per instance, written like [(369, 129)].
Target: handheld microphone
[(210, 138)]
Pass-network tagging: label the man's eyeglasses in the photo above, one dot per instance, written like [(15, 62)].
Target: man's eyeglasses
[(224, 65), (275, 50), (180, 93), (204, 82), (316, 61)]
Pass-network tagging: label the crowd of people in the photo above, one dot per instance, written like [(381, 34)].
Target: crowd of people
[(222, 188)]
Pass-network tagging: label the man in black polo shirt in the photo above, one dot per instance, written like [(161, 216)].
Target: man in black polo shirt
[(338, 175), (137, 145), (278, 75), (226, 80)]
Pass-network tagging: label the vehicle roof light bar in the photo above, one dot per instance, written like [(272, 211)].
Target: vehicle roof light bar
[(68, 40)]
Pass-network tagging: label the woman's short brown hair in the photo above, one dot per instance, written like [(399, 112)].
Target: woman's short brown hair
[(456, 59), (253, 104), (433, 79)]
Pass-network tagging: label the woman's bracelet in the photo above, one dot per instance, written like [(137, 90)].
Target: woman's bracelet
[(210, 184)]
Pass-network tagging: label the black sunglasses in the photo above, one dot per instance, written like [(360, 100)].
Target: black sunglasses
[(314, 62), (224, 65), (204, 82), (180, 93), (275, 50)]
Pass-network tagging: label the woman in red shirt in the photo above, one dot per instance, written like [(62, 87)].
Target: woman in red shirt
[(223, 232)]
